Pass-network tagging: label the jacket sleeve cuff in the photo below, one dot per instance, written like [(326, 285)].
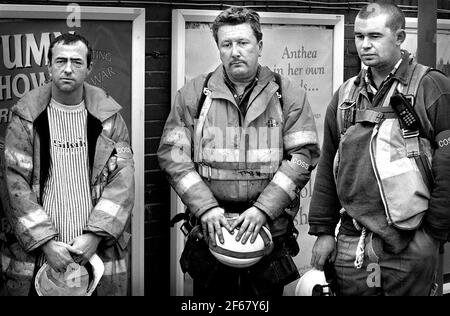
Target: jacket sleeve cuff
[(41, 242), (204, 208), (318, 230), (266, 210), (107, 236)]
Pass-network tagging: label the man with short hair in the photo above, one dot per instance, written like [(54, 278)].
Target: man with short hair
[(256, 152), (69, 176), (383, 173)]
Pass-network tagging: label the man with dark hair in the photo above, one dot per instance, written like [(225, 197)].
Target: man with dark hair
[(384, 171), (69, 176), (70, 39), (254, 146)]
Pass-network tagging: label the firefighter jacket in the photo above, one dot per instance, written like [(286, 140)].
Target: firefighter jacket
[(27, 163), (370, 180), (228, 160)]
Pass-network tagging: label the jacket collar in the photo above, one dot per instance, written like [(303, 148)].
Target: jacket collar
[(98, 103), (402, 74), (219, 88)]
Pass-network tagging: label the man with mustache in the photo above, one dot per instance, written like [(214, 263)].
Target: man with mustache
[(384, 172), (257, 148)]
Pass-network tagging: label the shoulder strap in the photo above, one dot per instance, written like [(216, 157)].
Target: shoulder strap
[(418, 72), (346, 104), (279, 91), (203, 95), (413, 143)]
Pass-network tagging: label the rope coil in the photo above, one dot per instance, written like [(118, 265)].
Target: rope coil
[(359, 256)]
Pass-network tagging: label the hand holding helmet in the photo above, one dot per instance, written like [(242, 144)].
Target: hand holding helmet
[(238, 253), (77, 280), (250, 223), (212, 222)]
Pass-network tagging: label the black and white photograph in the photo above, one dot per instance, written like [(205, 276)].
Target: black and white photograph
[(225, 156)]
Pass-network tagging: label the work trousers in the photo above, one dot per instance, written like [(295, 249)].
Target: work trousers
[(413, 272)]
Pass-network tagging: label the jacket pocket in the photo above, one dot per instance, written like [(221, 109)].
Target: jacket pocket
[(277, 269)]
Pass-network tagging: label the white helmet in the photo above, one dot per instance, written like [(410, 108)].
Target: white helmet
[(235, 254), (76, 281), (313, 283)]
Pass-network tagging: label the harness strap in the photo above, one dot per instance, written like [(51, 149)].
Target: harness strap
[(425, 169), (201, 100), (199, 126), (374, 115), (209, 172), (346, 106), (387, 99), (413, 85), (413, 149), (279, 91)]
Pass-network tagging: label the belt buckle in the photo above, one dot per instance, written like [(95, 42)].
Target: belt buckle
[(379, 117), (205, 171), (410, 133), (348, 104), (186, 228)]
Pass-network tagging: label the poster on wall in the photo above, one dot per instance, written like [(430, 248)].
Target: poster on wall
[(442, 47), (305, 54)]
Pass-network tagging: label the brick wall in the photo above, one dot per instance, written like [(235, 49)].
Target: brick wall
[(157, 102)]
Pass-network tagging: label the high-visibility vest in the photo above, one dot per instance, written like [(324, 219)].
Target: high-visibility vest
[(400, 158)]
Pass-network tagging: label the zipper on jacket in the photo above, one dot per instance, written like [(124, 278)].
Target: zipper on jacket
[(377, 175)]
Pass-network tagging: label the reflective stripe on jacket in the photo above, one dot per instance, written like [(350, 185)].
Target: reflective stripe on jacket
[(26, 168), (243, 159)]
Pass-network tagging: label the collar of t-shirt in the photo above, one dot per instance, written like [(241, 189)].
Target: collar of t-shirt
[(67, 108), (371, 87), (242, 100)]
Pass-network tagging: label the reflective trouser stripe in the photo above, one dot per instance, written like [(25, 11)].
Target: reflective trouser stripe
[(284, 182)]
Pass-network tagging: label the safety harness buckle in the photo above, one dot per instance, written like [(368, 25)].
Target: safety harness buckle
[(186, 228), (379, 118), (410, 133), (205, 171), (347, 104), (206, 91)]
